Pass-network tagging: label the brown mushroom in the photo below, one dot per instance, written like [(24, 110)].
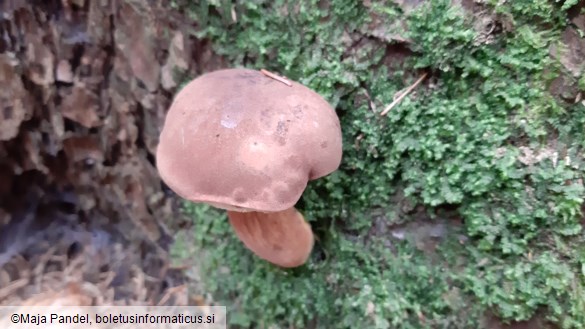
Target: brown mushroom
[(240, 140)]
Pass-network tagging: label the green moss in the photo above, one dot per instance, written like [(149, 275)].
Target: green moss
[(467, 139), (347, 281)]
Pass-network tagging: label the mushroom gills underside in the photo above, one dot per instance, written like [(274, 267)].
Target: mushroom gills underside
[(283, 238)]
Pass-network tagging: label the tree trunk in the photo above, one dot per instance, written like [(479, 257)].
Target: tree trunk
[(84, 89)]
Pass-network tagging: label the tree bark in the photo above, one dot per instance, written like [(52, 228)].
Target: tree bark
[(84, 89)]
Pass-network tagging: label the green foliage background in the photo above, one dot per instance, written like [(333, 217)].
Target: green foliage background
[(456, 144)]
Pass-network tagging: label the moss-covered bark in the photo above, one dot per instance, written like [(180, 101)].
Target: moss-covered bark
[(487, 145)]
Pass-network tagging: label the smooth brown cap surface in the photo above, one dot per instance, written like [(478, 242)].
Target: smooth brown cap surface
[(237, 137)]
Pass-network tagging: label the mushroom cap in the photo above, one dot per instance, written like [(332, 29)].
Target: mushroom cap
[(240, 140)]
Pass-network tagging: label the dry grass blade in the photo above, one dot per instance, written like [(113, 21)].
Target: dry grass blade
[(170, 292), (39, 269), (12, 288), (370, 101), (276, 77), (402, 95)]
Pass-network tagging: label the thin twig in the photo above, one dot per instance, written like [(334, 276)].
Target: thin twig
[(171, 291), (11, 288), (399, 93), (276, 77), (371, 102), (402, 95)]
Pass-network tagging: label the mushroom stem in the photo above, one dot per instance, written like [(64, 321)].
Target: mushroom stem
[(283, 238)]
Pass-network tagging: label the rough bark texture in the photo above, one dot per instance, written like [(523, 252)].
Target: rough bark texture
[(84, 89)]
